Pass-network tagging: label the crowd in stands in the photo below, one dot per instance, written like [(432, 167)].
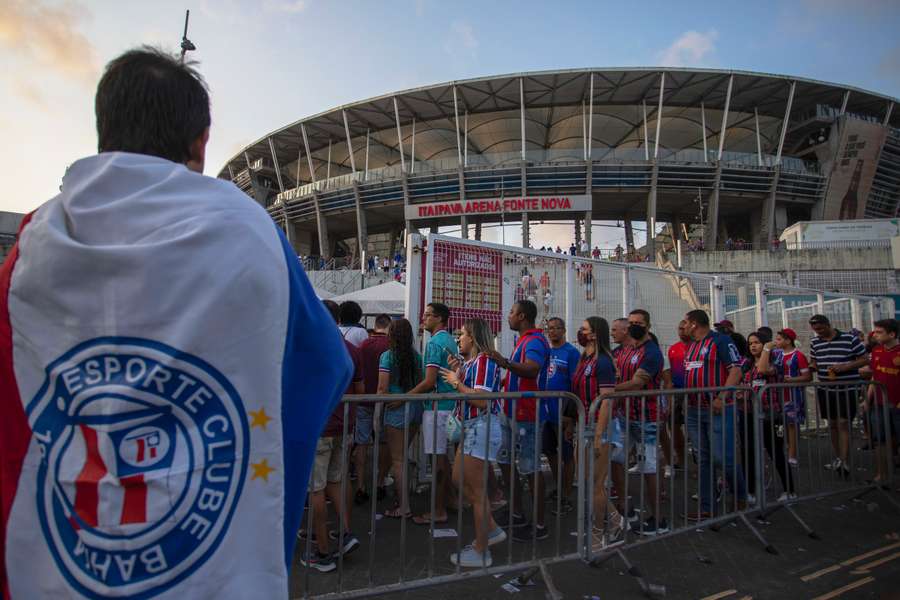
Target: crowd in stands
[(610, 359)]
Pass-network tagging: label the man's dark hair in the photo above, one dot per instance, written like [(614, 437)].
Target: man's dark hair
[(819, 319), (382, 321), (559, 320), (441, 311), (889, 325), (332, 307), (529, 309), (740, 342), (643, 313), (350, 313), (149, 102), (698, 316), (766, 332)]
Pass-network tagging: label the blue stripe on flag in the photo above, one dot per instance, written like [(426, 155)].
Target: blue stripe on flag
[(314, 375)]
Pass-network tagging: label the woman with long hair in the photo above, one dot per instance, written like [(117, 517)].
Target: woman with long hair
[(481, 440), (761, 373), (793, 367), (399, 370), (597, 370)]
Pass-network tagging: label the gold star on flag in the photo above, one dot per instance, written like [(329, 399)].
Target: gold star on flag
[(261, 470), (259, 418)]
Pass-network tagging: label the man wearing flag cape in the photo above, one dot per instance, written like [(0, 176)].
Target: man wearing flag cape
[(165, 367)]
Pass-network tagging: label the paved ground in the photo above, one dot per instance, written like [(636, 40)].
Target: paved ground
[(858, 556)]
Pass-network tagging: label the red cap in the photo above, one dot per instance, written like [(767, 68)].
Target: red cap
[(789, 334)]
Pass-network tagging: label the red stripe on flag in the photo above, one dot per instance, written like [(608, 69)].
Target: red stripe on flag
[(14, 430), (87, 485), (134, 506)]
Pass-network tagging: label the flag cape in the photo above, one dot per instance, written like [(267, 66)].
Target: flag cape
[(165, 372)]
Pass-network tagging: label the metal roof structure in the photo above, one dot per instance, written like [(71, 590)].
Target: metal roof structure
[(552, 103)]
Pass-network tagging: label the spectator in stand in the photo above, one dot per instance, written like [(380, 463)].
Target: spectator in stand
[(482, 440), (526, 371), (836, 356), (328, 472), (557, 435), (573, 250), (398, 259), (712, 360), (729, 244), (640, 367), (370, 265), (596, 370), (545, 281), (620, 252), (386, 265), (763, 372), (370, 352), (595, 253), (792, 367), (884, 369), (585, 248), (350, 327), (558, 250), (441, 347), (399, 372), (375, 264)]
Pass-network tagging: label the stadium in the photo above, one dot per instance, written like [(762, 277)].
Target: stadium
[(740, 154)]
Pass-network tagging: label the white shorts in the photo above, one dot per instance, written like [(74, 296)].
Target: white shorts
[(428, 431)]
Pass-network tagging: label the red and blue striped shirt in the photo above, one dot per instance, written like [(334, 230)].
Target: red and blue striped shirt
[(481, 374), (706, 364), (646, 357)]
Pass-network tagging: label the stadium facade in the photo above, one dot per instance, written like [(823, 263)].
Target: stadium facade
[(742, 154)]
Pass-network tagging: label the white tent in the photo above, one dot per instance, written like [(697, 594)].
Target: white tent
[(323, 294), (389, 298)]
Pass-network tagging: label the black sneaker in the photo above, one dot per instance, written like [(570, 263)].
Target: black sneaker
[(651, 527), (324, 563), (633, 516), (526, 534), (503, 519), (349, 543)]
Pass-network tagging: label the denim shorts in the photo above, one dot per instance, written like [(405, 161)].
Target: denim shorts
[(525, 446), (478, 438), (398, 418), (878, 429), (643, 438)]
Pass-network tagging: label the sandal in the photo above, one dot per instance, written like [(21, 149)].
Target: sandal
[(426, 520)]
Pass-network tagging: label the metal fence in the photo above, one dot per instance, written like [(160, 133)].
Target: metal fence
[(736, 459)]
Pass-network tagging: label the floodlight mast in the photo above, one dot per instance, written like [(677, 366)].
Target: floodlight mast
[(186, 44)]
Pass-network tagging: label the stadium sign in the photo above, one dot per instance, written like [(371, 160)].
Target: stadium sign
[(493, 206)]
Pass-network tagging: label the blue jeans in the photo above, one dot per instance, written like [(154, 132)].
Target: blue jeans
[(708, 433)]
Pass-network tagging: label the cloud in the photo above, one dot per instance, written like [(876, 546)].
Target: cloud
[(692, 48), (49, 37), (285, 6), (461, 40)]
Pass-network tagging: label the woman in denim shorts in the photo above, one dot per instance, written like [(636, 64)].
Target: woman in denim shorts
[(400, 370), (481, 439)]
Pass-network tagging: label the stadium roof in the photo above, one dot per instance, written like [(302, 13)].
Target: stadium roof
[(554, 117)]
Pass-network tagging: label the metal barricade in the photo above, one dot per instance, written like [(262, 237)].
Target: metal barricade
[(388, 568), (815, 450)]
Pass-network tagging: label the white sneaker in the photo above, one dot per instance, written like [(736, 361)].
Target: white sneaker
[(471, 558), (635, 469), (497, 536), (784, 497), (667, 472), (751, 500), (794, 462)]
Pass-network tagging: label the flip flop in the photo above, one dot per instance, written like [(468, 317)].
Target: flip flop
[(426, 520), (395, 513)]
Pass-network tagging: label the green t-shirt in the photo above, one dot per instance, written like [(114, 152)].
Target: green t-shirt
[(386, 365), (436, 355)]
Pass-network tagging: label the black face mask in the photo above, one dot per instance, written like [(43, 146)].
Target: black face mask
[(637, 332)]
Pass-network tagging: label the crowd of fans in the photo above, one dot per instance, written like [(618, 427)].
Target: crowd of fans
[(610, 360)]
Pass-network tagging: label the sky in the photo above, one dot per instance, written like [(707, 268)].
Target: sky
[(271, 62)]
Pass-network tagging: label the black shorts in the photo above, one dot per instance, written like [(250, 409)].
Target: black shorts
[(838, 402), (880, 424)]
